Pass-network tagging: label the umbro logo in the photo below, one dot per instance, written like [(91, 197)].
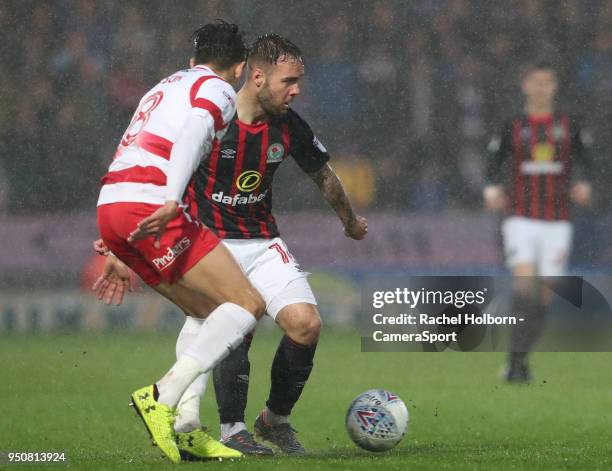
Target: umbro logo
[(143, 396), (228, 153), (149, 409)]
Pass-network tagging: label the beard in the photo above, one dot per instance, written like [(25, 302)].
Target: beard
[(267, 103)]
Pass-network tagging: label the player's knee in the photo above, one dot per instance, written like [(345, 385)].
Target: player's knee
[(252, 302), (259, 306), (305, 328)]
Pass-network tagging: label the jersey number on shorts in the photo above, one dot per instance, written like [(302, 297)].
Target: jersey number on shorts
[(282, 252), (141, 118)]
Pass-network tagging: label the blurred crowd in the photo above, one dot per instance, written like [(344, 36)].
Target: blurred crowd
[(404, 94)]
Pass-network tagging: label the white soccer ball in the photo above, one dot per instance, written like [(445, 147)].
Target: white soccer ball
[(377, 420)]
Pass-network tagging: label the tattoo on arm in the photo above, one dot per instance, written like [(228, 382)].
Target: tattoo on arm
[(333, 191)]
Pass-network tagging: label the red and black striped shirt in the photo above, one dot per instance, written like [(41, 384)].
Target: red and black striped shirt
[(233, 187), (536, 158)]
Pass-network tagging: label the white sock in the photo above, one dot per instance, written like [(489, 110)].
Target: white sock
[(271, 418), (188, 409), (221, 332), (227, 430), (174, 383)]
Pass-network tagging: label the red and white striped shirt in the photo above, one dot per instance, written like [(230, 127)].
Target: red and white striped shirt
[(139, 171)]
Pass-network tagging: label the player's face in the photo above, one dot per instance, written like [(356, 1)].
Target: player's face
[(540, 87), (281, 86)]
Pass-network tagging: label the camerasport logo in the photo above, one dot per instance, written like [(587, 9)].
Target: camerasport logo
[(248, 181), (166, 260)]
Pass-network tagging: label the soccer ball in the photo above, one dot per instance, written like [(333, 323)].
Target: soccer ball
[(377, 420)]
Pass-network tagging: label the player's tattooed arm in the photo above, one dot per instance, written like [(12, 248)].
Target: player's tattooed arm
[(330, 185)]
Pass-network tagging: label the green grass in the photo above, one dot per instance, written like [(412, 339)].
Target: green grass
[(70, 392)]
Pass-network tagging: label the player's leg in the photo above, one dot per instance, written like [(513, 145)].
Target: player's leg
[(231, 388), (231, 376), (276, 275), (217, 277), (291, 368), (114, 221), (194, 443), (556, 244), (293, 361), (553, 242), (192, 439), (222, 331), (188, 409), (189, 257), (291, 303), (520, 247), (231, 380)]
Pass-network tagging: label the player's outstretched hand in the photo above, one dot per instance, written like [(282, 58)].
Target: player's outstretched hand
[(155, 224), (114, 281), (356, 228), (100, 247)]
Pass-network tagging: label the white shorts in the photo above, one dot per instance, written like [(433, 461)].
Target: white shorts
[(273, 272), (546, 244)]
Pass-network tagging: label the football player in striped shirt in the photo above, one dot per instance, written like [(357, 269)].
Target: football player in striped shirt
[(143, 220), (233, 190), (538, 164)]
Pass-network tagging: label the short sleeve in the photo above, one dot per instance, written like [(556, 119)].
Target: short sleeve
[(214, 96), (305, 148)]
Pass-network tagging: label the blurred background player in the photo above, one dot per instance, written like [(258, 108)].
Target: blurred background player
[(233, 190), (537, 164), (143, 220)]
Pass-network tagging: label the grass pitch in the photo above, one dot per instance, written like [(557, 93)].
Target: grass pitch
[(70, 392)]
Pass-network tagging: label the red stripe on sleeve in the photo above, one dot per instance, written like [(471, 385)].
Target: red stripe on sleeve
[(154, 144), (198, 102)]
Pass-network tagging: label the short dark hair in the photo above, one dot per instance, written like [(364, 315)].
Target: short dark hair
[(271, 48), (220, 44), (536, 65)]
